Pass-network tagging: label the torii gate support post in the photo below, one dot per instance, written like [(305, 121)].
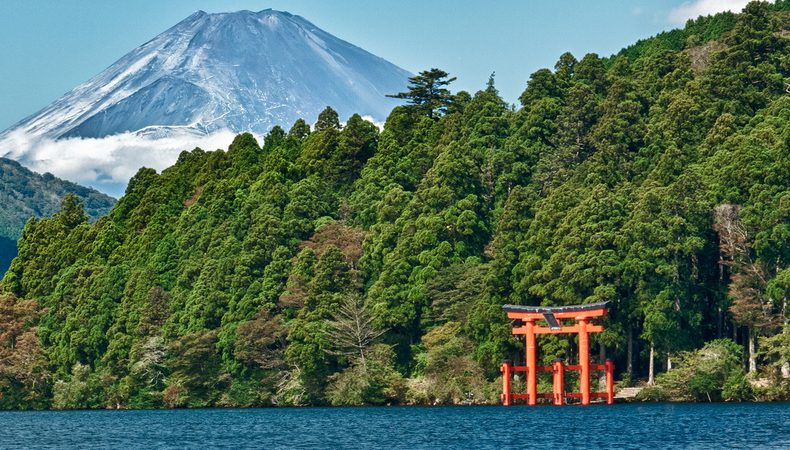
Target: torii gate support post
[(609, 381), (584, 361), (559, 382), (532, 378), (507, 393)]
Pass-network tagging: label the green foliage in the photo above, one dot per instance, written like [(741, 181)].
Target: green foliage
[(713, 372), (376, 382), (451, 375), (352, 265), (81, 391), (696, 32), (428, 93), (327, 120), (775, 352), (194, 371)]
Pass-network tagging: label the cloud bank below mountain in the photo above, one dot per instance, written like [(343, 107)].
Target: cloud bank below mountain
[(107, 163)]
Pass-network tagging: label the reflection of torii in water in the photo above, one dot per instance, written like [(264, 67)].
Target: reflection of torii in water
[(526, 323)]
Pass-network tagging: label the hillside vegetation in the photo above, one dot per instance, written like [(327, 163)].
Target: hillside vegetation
[(25, 194), (348, 265)]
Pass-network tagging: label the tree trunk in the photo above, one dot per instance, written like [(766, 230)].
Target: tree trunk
[(719, 323), (752, 350), (630, 356), (669, 363), (651, 373)]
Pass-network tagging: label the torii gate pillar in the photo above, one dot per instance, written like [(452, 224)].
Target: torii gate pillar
[(531, 362)]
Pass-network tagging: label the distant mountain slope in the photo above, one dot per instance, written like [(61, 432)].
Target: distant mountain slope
[(25, 194), (243, 71)]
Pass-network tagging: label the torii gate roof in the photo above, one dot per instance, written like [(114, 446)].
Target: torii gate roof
[(554, 309), (552, 313)]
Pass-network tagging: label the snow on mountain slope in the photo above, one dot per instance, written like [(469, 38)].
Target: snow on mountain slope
[(210, 74), (243, 71)]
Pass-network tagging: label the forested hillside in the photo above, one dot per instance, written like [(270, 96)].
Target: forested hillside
[(25, 194), (348, 265)]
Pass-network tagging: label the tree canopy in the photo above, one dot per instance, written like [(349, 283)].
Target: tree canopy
[(428, 92)]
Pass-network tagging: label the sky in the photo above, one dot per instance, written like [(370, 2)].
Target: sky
[(49, 47)]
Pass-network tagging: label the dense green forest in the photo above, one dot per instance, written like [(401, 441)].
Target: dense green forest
[(25, 194), (345, 264)]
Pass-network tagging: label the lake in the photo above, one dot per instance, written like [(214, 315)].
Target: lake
[(750, 425)]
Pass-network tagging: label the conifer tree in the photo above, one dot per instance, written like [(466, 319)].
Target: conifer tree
[(428, 92)]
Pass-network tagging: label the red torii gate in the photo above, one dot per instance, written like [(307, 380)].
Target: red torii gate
[(526, 318)]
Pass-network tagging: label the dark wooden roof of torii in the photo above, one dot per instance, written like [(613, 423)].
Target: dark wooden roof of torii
[(553, 316), (553, 309)]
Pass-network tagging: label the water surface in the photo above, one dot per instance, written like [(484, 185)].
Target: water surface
[(618, 426)]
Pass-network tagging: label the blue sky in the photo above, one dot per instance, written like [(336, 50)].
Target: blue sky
[(48, 47)]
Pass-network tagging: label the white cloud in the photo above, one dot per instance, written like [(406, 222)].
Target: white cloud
[(696, 8), (378, 124), (105, 163)]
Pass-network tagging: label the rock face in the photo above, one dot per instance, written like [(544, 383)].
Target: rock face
[(243, 71)]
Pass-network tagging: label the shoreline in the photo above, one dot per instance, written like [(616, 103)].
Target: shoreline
[(415, 406)]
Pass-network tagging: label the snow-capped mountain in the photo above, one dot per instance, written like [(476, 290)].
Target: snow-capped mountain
[(242, 71)]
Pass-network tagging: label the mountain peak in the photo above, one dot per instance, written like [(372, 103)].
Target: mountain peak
[(241, 71), (197, 15)]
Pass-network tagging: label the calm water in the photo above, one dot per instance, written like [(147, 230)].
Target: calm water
[(619, 426)]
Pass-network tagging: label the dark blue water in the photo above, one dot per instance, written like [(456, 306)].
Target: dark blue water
[(618, 426)]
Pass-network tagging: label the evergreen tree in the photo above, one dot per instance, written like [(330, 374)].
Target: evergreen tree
[(428, 92)]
